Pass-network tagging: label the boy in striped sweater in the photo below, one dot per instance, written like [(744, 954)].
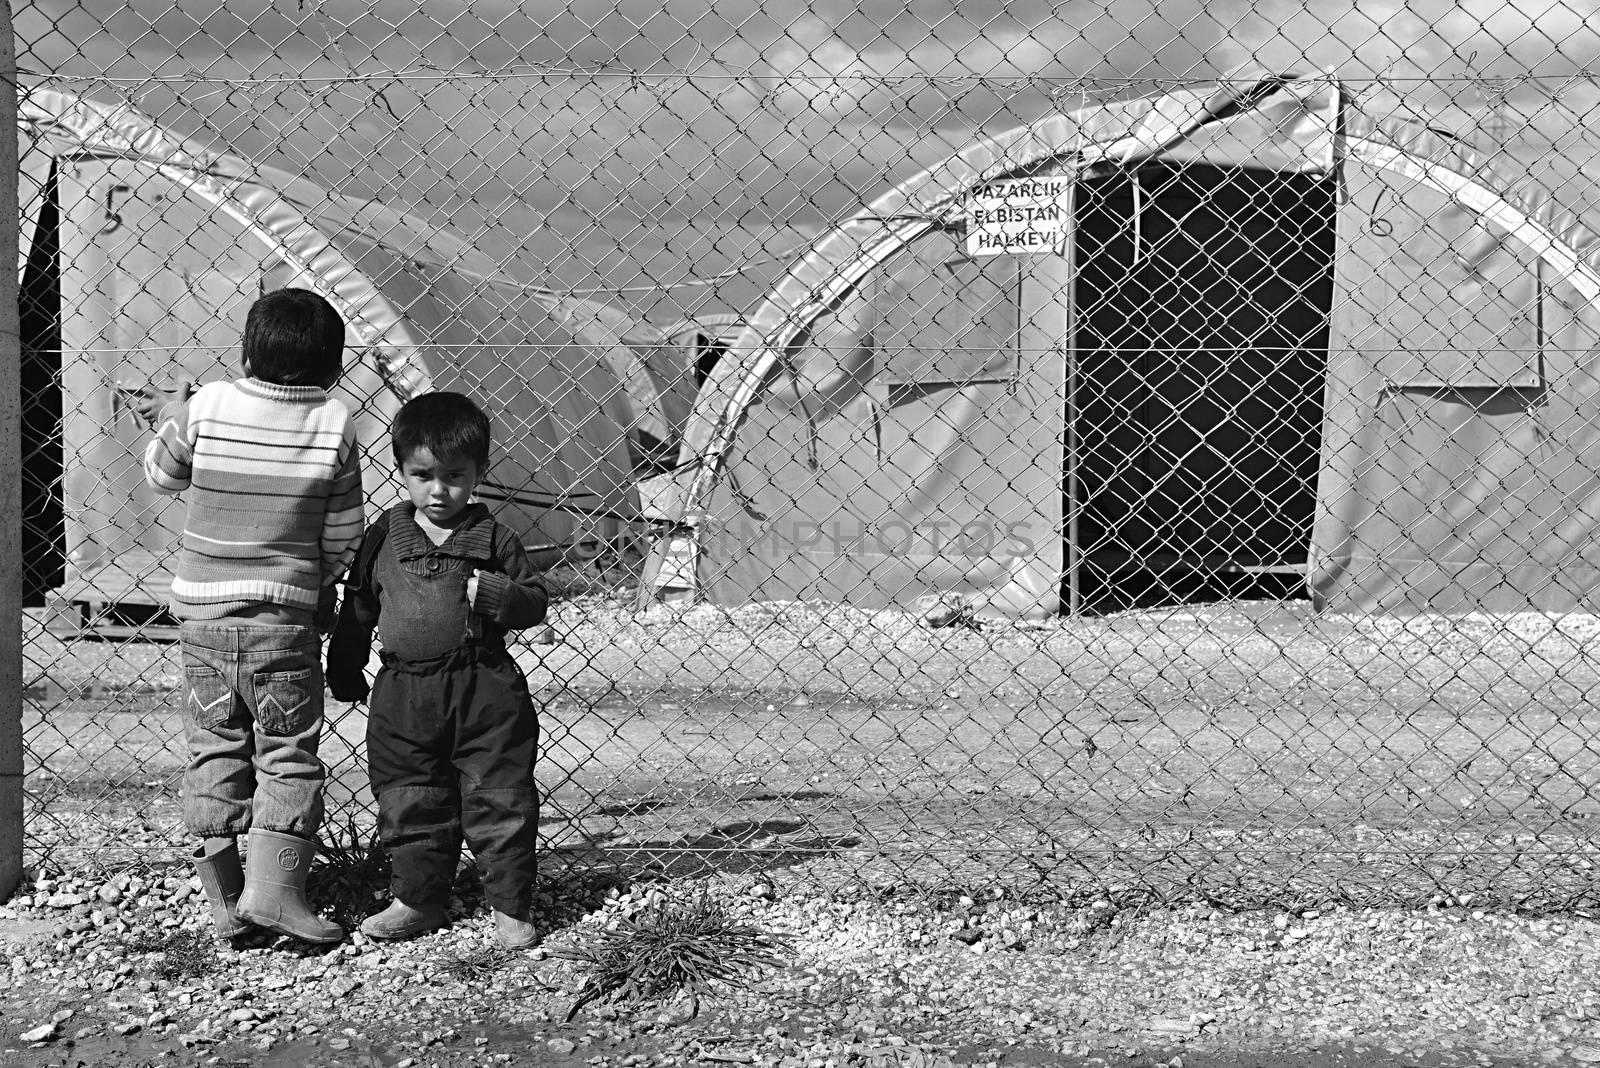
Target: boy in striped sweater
[(268, 467)]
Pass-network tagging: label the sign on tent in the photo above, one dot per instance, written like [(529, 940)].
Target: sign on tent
[(1019, 215)]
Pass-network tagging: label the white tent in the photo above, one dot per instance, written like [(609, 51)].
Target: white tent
[(163, 244), (656, 367), (1281, 335)]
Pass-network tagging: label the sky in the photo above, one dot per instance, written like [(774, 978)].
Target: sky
[(671, 155)]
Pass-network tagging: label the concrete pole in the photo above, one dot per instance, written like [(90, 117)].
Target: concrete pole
[(11, 466)]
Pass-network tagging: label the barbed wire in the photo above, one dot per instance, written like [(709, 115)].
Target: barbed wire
[(1235, 350), (1501, 84)]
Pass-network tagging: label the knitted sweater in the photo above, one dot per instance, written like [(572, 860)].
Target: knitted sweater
[(273, 485)]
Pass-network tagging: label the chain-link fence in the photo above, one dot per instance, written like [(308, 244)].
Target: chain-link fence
[(1129, 448)]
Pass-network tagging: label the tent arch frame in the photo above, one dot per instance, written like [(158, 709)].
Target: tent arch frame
[(839, 264)]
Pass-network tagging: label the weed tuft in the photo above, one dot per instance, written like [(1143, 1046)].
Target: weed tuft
[(183, 954), (478, 965), (668, 947), (350, 876)]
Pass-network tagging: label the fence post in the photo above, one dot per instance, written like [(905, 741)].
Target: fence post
[(11, 464)]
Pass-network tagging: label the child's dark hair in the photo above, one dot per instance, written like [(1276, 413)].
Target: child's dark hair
[(446, 424), (293, 337)]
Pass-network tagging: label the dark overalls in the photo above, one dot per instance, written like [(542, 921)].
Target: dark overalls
[(451, 731)]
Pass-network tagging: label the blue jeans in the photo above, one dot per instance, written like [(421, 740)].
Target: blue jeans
[(252, 714)]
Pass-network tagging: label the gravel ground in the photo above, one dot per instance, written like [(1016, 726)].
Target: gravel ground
[(124, 974), (1254, 752), (1239, 753)]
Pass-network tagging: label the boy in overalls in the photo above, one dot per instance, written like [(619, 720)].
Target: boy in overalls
[(451, 730)]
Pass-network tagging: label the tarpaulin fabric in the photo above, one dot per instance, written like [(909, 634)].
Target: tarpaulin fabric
[(1461, 467), (1457, 462), (156, 282)]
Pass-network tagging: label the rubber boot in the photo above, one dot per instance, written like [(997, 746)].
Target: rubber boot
[(222, 878), (514, 931), (400, 921), (275, 888)]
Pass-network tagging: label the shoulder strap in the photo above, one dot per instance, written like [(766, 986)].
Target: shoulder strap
[(372, 543)]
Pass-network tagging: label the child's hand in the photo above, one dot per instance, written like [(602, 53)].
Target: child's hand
[(472, 588), (348, 686), (148, 400)]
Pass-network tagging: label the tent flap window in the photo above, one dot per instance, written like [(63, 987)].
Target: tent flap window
[(950, 319), (1457, 301)]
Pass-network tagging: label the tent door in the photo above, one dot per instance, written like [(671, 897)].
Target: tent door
[(1201, 332), (43, 529)]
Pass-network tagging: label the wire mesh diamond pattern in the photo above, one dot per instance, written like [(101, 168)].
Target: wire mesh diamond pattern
[(1146, 449)]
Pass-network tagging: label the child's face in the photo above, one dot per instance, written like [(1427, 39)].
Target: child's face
[(440, 487)]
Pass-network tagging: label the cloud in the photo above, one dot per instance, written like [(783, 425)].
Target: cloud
[(633, 141)]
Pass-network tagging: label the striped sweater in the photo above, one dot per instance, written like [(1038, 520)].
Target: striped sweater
[(272, 481)]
